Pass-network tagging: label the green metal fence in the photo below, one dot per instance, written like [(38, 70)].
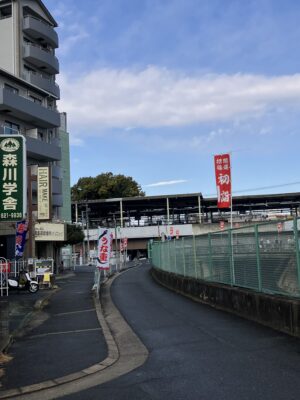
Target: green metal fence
[(263, 257)]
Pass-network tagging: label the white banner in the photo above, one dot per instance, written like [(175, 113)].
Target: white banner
[(104, 248)]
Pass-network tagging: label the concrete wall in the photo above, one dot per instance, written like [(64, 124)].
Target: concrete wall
[(153, 232), (277, 312), (6, 45)]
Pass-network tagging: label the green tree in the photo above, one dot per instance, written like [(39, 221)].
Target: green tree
[(105, 186), (75, 234)]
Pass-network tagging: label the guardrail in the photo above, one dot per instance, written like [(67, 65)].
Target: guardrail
[(263, 257)]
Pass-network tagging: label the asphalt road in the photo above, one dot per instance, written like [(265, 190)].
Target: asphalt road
[(197, 352), (63, 338)]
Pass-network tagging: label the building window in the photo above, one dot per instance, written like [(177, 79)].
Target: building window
[(51, 104), (40, 136), (50, 135), (11, 89), (5, 12), (11, 129), (35, 99)]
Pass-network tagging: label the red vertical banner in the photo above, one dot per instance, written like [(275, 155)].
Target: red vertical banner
[(104, 248), (223, 180), (123, 244)]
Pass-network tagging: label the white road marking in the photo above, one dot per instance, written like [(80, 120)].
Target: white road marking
[(74, 312), (64, 332)]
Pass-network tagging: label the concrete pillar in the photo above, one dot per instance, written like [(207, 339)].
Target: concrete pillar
[(121, 213), (168, 211), (199, 207)]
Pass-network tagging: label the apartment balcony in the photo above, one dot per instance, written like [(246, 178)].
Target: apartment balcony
[(56, 186), (57, 200), (24, 109), (39, 150), (42, 82), (41, 58), (56, 171), (40, 30)]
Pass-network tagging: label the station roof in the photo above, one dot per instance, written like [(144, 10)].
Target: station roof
[(184, 203)]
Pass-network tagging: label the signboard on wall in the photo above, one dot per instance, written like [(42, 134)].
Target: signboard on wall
[(43, 193), (48, 231), (13, 187)]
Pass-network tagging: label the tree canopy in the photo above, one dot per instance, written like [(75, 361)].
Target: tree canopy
[(75, 235), (106, 186)]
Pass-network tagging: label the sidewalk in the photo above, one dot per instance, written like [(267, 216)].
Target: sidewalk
[(61, 339), (16, 309)]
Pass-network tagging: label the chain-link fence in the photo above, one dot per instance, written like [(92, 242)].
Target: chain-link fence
[(263, 257)]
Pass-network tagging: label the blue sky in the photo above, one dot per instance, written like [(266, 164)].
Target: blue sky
[(154, 88)]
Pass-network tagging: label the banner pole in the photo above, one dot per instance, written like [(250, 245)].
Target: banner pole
[(231, 210), (230, 190)]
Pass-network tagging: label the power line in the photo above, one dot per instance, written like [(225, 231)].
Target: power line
[(259, 188)]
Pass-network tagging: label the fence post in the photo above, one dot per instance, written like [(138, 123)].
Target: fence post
[(159, 254), (183, 254), (231, 263), (175, 256), (257, 258), (210, 255), (169, 257), (297, 249), (195, 255)]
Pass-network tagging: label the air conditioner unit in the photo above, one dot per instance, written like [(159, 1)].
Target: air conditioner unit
[(33, 133)]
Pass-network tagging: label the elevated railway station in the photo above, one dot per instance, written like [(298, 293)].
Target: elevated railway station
[(156, 217)]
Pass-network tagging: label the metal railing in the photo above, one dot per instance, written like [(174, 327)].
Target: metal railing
[(38, 19), (27, 74), (264, 257), (10, 131), (46, 49)]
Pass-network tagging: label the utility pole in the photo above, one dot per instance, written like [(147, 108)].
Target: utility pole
[(31, 239), (116, 241), (87, 231), (83, 243)]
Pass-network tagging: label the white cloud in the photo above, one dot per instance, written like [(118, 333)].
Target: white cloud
[(70, 27), (76, 141), (158, 97), (74, 35), (166, 183)]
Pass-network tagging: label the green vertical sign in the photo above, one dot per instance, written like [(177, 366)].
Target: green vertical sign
[(12, 177)]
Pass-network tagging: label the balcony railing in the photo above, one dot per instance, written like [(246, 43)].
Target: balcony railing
[(38, 28), (42, 81), (41, 57), (23, 108), (10, 131)]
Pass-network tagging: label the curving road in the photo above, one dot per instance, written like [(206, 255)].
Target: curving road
[(197, 352)]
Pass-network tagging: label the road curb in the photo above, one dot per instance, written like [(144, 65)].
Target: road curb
[(122, 357)]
